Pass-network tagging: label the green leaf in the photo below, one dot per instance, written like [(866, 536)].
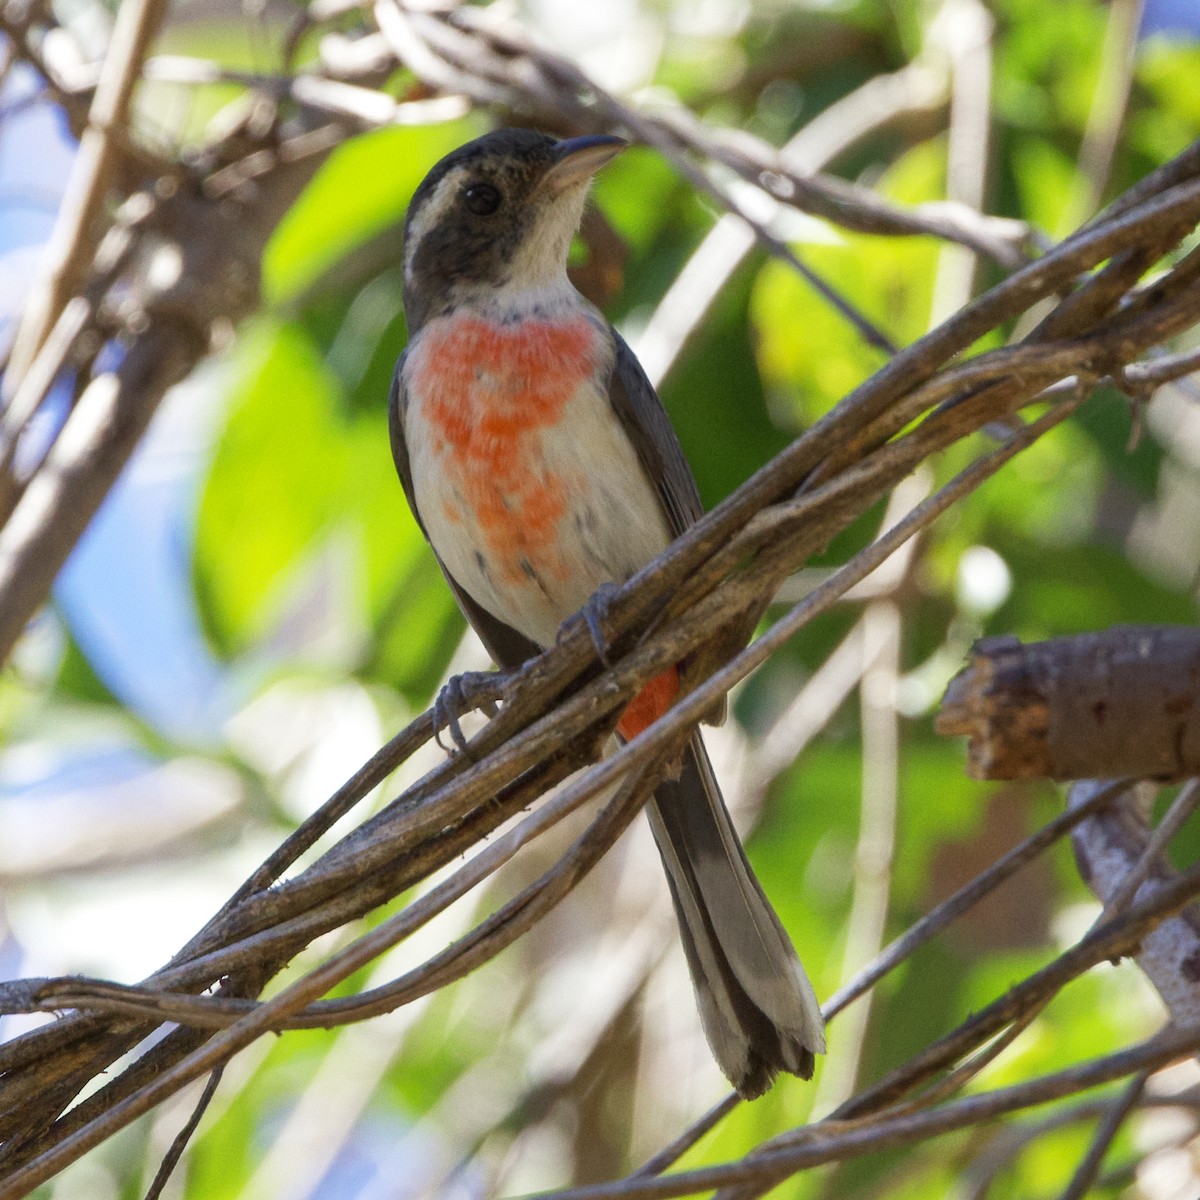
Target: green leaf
[(809, 354), (363, 188), (278, 469), (296, 470)]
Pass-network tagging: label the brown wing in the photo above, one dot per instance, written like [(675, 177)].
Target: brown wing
[(507, 647), (644, 418), (641, 413)]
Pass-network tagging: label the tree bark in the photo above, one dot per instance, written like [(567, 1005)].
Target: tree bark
[(1121, 703)]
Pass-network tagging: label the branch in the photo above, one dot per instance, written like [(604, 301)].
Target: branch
[(1120, 702), (873, 1110), (223, 1045), (699, 601), (836, 1141), (1119, 858), (72, 245), (1085, 1175), (757, 528), (428, 811), (209, 253)]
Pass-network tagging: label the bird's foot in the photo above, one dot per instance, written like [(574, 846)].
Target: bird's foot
[(593, 614), (468, 692)]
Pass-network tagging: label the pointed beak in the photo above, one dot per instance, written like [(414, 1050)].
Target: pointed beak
[(577, 159)]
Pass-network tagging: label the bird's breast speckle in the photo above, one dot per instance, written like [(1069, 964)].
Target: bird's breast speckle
[(529, 488), (491, 394), (485, 382)]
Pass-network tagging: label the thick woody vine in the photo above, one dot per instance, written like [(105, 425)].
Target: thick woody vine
[(1107, 320)]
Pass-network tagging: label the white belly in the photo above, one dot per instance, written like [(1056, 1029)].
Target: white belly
[(531, 520)]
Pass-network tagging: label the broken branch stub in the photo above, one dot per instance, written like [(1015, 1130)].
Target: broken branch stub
[(1124, 702)]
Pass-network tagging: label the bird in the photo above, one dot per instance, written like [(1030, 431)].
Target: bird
[(542, 469)]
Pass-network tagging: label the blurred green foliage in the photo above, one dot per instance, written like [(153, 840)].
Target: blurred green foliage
[(300, 486)]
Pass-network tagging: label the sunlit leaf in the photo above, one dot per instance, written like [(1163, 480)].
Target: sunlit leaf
[(363, 188)]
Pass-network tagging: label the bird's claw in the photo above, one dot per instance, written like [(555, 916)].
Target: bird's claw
[(594, 613), (470, 691)]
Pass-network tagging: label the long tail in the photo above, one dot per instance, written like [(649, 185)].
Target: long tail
[(758, 1009)]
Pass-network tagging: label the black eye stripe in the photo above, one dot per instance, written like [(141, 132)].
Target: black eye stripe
[(482, 199)]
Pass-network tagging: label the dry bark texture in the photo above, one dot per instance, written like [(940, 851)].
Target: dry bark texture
[(1124, 701)]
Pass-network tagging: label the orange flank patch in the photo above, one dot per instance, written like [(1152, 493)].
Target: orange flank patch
[(649, 704), (491, 392)]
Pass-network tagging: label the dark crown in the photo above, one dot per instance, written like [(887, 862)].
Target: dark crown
[(477, 225)]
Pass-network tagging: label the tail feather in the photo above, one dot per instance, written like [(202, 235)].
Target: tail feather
[(758, 1009)]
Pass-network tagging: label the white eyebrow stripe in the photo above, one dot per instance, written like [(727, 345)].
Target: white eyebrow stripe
[(431, 212)]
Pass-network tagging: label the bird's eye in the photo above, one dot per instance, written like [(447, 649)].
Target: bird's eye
[(482, 199)]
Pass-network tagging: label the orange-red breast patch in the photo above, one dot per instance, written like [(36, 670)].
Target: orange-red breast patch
[(490, 391)]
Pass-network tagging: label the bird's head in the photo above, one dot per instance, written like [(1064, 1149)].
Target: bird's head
[(495, 218)]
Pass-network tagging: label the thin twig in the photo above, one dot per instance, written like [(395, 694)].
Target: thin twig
[(874, 852), (1163, 370), (1173, 820), (674, 1150), (1113, 940), (965, 27), (1107, 113), (694, 290), (179, 1144), (967, 897), (837, 1141), (73, 242), (1085, 1174)]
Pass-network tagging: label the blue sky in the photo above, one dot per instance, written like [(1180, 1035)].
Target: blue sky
[(1171, 16)]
